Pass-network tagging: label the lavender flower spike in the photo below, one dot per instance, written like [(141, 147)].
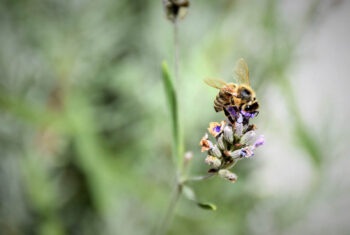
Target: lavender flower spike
[(233, 143)]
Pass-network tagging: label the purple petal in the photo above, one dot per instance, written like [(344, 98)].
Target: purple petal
[(248, 115), (232, 111), (259, 141)]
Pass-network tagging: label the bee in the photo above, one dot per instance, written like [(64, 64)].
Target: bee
[(238, 95)]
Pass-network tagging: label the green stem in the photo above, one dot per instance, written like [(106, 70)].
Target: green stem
[(171, 209), (179, 145), (198, 178)]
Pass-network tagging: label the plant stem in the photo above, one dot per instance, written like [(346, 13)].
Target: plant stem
[(198, 178), (171, 209), (178, 185), (179, 145)]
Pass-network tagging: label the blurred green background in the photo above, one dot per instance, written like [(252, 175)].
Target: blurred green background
[(85, 137)]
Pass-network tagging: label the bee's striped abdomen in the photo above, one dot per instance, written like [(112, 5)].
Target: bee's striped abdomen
[(218, 103), (222, 99)]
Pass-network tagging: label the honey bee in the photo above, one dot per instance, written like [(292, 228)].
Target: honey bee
[(238, 95)]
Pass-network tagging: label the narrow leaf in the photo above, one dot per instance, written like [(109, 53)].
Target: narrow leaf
[(173, 109), (207, 206)]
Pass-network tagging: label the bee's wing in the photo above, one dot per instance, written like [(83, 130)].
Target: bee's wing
[(216, 83), (241, 69)]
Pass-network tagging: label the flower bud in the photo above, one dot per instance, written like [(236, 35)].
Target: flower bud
[(248, 137), (205, 143), (239, 129), (187, 158), (215, 151), (228, 134), (213, 161), (226, 174), (221, 143), (234, 154)]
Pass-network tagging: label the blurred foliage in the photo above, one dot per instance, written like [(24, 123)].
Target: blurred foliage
[(85, 131)]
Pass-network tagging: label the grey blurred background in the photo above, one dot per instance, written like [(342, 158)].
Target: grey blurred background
[(85, 136)]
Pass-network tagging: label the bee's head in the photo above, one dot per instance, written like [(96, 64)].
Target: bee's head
[(251, 106), (246, 93)]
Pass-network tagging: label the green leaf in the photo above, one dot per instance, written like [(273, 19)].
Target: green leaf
[(207, 206), (173, 109), (190, 194)]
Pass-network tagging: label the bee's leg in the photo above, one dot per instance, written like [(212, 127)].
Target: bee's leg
[(256, 113), (245, 122), (229, 117), (232, 101), (251, 127)]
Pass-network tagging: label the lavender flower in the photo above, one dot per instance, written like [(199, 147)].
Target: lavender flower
[(216, 128), (233, 142), (259, 141), (208, 146), (205, 143)]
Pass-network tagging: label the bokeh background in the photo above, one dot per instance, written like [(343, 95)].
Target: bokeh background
[(85, 137)]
